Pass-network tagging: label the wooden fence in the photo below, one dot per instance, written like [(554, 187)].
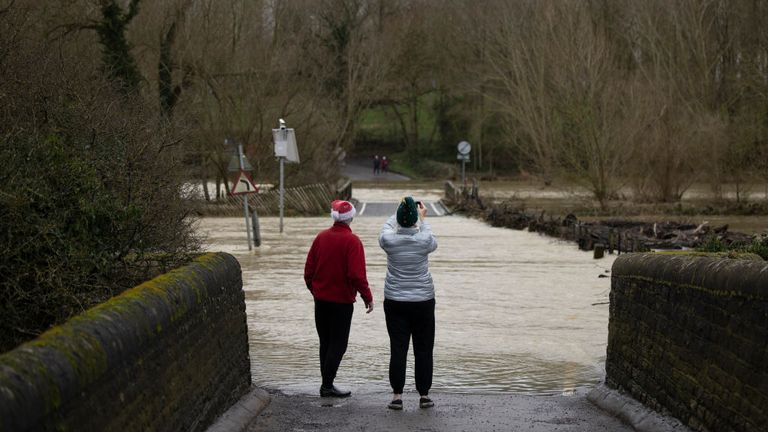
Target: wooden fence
[(308, 200)]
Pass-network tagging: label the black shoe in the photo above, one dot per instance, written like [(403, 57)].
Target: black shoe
[(425, 402), (396, 405), (333, 391)]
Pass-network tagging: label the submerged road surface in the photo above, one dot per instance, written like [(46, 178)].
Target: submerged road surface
[(521, 328), (516, 312)]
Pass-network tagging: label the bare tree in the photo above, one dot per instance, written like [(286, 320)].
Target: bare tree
[(690, 56), (569, 107)]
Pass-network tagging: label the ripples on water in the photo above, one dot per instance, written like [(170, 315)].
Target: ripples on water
[(514, 309)]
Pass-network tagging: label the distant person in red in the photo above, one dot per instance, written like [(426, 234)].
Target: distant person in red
[(335, 273), (384, 164)]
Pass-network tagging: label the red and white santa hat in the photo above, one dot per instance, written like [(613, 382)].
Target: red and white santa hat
[(342, 211)]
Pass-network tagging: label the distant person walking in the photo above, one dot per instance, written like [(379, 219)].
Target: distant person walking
[(335, 274), (409, 298), (384, 164), (376, 165)]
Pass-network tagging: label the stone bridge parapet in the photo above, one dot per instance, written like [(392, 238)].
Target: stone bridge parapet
[(170, 354), (689, 335)]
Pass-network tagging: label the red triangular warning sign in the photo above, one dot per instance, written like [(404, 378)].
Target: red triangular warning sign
[(243, 184)]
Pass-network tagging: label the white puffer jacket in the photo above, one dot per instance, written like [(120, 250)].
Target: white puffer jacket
[(408, 278)]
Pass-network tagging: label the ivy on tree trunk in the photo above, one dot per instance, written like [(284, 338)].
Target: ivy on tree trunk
[(119, 64)]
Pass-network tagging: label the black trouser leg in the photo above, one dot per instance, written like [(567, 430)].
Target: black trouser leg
[(399, 331), (423, 330), (333, 321), (322, 324)]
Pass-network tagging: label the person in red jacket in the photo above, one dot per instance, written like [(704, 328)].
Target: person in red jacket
[(334, 274)]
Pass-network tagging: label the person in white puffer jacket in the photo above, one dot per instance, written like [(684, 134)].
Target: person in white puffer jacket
[(409, 297)]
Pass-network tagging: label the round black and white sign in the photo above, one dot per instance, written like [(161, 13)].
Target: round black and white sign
[(464, 147)]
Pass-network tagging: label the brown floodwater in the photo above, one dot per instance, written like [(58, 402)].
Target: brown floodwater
[(516, 312)]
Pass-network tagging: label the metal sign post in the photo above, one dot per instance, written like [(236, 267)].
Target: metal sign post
[(282, 191), (464, 148), (244, 185), (245, 198)]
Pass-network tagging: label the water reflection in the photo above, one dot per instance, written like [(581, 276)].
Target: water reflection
[(514, 309)]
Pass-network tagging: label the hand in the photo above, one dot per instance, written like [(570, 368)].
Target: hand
[(422, 211), (369, 307)]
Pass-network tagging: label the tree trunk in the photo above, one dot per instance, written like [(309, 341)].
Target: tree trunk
[(204, 180), (205, 189), (165, 88), (415, 122), (117, 60)]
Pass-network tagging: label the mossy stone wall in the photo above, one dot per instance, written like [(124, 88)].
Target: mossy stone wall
[(170, 354), (689, 335)]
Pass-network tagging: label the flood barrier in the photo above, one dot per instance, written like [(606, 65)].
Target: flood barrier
[(169, 354), (687, 335)]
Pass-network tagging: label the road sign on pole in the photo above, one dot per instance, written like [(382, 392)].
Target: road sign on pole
[(234, 164), (286, 150), (285, 143), (464, 149), (244, 184)]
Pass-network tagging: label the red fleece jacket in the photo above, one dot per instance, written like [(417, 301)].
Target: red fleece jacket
[(335, 267)]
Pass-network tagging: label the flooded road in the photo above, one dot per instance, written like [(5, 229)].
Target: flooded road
[(514, 310)]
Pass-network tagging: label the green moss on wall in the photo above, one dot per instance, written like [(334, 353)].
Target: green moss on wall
[(726, 255), (40, 377)]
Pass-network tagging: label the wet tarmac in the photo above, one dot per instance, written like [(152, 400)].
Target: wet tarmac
[(452, 412)]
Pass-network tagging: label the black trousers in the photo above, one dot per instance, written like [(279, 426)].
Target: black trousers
[(333, 321), (406, 320)]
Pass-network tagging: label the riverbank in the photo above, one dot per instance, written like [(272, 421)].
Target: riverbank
[(452, 412), (606, 231), (698, 205), (610, 234)]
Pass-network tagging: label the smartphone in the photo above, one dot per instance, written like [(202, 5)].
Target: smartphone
[(419, 204)]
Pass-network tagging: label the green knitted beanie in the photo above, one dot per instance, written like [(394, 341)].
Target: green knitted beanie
[(407, 213)]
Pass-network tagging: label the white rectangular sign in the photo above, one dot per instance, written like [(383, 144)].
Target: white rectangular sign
[(285, 144)]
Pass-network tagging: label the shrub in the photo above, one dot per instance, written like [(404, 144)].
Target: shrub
[(712, 244), (758, 246), (90, 194)]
